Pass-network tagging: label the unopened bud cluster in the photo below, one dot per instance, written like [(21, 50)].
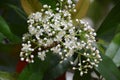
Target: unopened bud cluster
[(55, 31)]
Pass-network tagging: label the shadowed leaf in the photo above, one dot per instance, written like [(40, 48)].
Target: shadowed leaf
[(113, 50), (5, 30), (110, 23), (82, 8), (31, 6), (38, 68), (108, 69)]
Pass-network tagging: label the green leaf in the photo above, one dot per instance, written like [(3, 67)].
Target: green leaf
[(36, 70), (116, 40), (113, 50), (58, 70), (17, 24), (110, 23), (108, 69), (116, 59), (6, 76), (115, 1), (31, 73), (18, 11), (102, 45), (5, 30), (2, 37), (97, 11), (9, 56)]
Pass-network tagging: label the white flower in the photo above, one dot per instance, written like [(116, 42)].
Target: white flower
[(70, 53), (45, 6), (38, 16), (69, 2), (56, 32), (32, 30), (57, 16), (42, 55), (49, 42), (26, 47), (56, 49), (60, 35)]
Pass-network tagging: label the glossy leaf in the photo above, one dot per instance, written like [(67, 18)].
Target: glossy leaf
[(82, 8), (16, 22), (38, 68), (31, 6), (56, 71), (5, 30), (116, 59), (117, 39), (18, 11), (102, 45), (108, 69), (6, 76), (9, 55), (98, 11), (110, 23), (2, 37), (113, 50)]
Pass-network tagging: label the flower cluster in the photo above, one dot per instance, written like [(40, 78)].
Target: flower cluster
[(55, 31)]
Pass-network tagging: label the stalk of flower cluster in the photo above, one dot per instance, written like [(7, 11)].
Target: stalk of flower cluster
[(55, 31)]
